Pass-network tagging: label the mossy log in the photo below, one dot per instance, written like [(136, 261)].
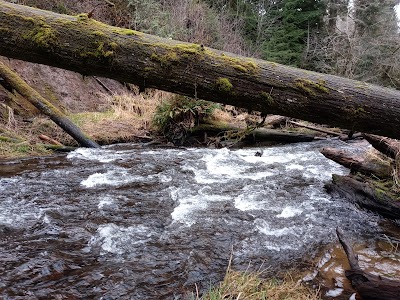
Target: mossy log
[(17, 83), (59, 148), (81, 44), (381, 169), (376, 196), (368, 286)]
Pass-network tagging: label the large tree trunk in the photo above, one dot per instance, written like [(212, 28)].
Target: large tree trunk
[(44, 106), (81, 44)]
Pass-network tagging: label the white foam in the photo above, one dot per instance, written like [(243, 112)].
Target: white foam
[(244, 203), (334, 292), (89, 154), (294, 166), (107, 200), (189, 204), (251, 201), (221, 163), (279, 248), (222, 166), (115, 177), (119, 240), (18, 212), (276, 232), (165, 178), (289, 212), (265, 228), (4, 182)]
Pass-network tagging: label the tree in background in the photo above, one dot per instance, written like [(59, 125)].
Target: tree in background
[(361, 41), (295, 22)]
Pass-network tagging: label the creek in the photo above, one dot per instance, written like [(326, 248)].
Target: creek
[(132, 222)]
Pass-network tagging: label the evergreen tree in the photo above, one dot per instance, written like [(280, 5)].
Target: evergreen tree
[(296, 21)]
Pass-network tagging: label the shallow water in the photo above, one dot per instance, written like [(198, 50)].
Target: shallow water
[(130, 222)]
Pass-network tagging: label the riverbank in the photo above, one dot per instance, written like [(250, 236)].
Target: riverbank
[(123, 118)]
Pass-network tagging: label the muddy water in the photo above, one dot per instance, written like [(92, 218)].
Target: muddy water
[(129, 222)]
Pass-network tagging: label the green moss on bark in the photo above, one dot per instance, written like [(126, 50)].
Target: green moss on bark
[(100, 51), (224, 85), (42, 35), (310, 87), (166, 60), (268, 98)]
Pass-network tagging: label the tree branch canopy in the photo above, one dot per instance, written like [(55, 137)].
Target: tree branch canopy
[(81, 44)]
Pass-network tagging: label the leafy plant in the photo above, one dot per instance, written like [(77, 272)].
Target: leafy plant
[(174, 117)]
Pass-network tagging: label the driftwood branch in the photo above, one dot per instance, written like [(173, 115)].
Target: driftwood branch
[(256, 136), (330, 132), (81, 44)]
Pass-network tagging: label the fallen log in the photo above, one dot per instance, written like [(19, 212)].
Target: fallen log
[(263, 134), (44, 106), (233, 135), (330, 132), (351, 136), (81, 44), (384, 145), (59, 148), (379, 197), (377, 168), (368, 286)]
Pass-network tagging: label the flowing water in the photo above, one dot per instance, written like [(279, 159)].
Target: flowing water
[(132, 222)]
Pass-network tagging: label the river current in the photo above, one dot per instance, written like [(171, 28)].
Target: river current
[(133, 222)]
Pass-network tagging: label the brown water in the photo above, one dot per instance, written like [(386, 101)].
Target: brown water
[(129, 222)]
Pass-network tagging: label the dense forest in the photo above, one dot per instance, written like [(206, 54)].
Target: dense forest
[(357, 39)]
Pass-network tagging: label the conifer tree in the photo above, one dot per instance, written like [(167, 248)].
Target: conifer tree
[(296, 20)]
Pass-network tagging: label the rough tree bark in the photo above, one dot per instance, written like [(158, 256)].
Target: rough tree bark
[(44, 106), (384, 145), (81, 44), (356, 164), (362, 191)]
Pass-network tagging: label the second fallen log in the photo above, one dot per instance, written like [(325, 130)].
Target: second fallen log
[(44, 106)]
